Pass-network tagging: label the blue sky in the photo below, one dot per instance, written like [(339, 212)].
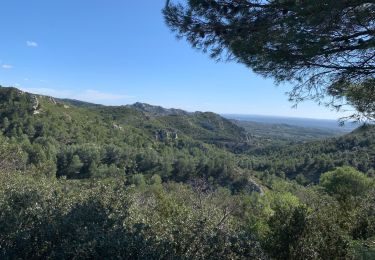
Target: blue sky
[(120, 52)]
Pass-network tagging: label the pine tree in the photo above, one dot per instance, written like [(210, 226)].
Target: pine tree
[(325, 48)]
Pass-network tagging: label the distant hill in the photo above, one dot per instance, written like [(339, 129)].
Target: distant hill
[(81, 140), (285, 132), (77, 103), (148, 118), (206, 126), (324, 124), (157, 110)]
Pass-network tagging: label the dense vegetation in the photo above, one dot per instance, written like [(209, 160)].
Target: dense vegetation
[(306, 162), (47, 218), (85, 141), (79, 180)]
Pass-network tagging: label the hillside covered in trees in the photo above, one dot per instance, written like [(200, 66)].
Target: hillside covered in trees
[(144, 182), (79, 140), (80, 180), (306, 162)]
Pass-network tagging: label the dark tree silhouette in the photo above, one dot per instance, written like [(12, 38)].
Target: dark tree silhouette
[(325, 48)]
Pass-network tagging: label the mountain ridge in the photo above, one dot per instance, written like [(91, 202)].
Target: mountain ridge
[(86, 141)]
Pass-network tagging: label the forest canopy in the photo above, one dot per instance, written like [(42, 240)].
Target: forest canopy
[(79, 180)]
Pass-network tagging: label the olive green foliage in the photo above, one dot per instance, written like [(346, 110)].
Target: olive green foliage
[(12, 158), (345, 183), (315, 44), (306, 162), (78, 140), (79, 180), (42, 217)]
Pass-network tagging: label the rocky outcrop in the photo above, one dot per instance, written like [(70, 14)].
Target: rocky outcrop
[(35, 105), (35, 102), (52, 100), (118, 127), (253, 186), (157, 110), (166, 134)]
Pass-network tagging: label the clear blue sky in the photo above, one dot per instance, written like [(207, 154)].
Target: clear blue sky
[(119, 52)]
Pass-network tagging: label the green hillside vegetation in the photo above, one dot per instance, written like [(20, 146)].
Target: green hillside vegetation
[(54, 218), (306, 162), (86, 141), (79, 180)]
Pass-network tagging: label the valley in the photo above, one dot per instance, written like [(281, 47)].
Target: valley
[(236, 178)]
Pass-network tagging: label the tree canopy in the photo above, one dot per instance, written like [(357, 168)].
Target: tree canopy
[(324, 48), (93, 182), (345, 182)]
